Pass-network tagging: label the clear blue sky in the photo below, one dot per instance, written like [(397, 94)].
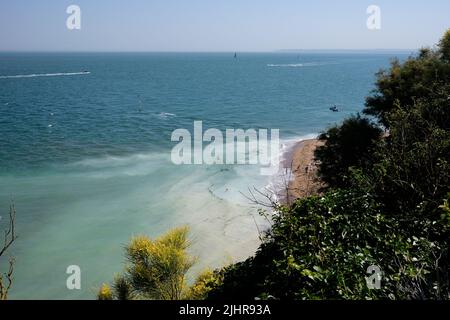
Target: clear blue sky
[(220, 25)]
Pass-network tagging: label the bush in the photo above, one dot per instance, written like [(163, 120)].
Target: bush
[(418, 77), (412, 174), (389, 207), (351, 144), (444, 46), (205, 282), (320, 248), (156, 269), (386, 208)]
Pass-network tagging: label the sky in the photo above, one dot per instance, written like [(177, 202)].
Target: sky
[(220, 25)]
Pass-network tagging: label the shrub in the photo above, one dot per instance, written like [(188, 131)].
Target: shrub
[(320, 248), (155, 269), (412, 174), (418, 77), (351, 144)]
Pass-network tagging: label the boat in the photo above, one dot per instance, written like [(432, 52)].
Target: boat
[(334, 108)]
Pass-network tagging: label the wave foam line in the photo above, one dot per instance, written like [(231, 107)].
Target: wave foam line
[(292, 65), (300, 65), (277, 182), (34, 75)]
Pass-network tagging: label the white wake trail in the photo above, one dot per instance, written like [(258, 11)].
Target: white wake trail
[(34, 75)]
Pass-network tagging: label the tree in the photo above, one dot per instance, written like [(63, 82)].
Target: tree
[(412, 173), (404, 83), (155, 269), (6, 278), (351, 144), (444, 46), (388, 204)]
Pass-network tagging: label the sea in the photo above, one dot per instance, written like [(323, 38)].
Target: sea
[(85, 151)]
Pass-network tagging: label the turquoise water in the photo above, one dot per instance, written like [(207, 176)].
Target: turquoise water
[(85, 150)]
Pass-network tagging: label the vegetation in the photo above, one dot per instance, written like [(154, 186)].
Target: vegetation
[(412, 175), (386, 203), (444, 46), (343, 149), (321, 247), (385, 209), (155, 269), (417, 78), (6, 278)]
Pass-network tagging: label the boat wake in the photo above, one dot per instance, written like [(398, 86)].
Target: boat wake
[(287, 65), (300, 65), (34, 75)]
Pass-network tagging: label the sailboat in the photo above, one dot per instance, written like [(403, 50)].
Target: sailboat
[(235, 55)]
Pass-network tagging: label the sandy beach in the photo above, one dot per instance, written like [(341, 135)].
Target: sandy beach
[(303, 181)]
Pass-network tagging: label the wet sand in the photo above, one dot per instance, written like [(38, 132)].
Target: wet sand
[(303, 181)]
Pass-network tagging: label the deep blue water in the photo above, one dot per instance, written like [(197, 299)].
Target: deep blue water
[(85, 156), (125, 104)]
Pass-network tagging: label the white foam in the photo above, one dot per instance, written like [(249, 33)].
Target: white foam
[(116, 161), (292, 65), (300, 65), (140, 164), (34, 75), (278, 180), (165, 115)]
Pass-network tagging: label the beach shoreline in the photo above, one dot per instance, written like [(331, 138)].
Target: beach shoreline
[(302, 180)]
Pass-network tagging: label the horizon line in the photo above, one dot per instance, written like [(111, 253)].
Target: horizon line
[(213, 51)]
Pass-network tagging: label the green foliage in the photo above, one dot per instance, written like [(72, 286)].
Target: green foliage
[(9, 236), (418, 77), (320, 248), (105, 293), (412, 174), (348, 145), (444, 46), (155, 269), (387, 205), (205, 282), (408, 171), (387, 202), (445, 208), (122, 288)]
